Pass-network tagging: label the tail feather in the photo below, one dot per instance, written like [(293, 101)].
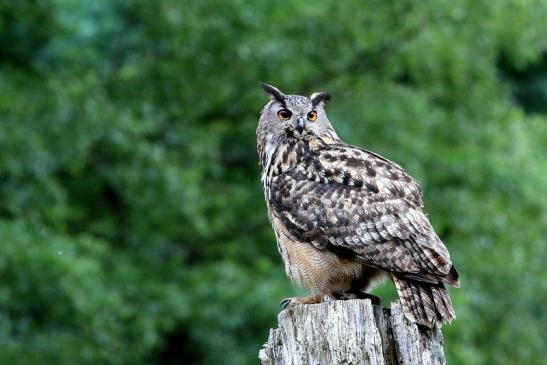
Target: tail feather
[(406, 295), (419, 307), (425, 303), (443, 304), (428, 306)]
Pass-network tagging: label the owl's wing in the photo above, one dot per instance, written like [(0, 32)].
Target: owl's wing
[(357, 203)]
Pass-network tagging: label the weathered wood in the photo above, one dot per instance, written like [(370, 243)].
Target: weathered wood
[(350, 332)]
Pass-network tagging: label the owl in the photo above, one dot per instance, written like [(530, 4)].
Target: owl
[(346, 218)]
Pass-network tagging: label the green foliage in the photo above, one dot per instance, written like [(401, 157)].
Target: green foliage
[(131, 213)]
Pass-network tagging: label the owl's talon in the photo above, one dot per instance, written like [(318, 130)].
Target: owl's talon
[(329, 298), (357, 294), (373, 298), (286, 303), (314, 299)]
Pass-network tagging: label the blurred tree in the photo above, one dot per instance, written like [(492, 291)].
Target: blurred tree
[(131, 213)]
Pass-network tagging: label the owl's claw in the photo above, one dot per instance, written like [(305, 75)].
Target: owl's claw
[(373, 298), (286, 303), (313, 299), (356, 294), (328, 298)]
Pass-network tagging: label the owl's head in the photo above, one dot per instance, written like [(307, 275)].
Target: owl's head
[(293, 116)]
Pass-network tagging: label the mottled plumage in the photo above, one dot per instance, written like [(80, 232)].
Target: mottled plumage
[(344, 216)]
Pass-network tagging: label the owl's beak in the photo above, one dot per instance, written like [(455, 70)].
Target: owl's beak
[(300, 124)]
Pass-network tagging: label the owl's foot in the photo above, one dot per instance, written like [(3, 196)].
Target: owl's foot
[(330, 297), (356, 294), (312, 299)]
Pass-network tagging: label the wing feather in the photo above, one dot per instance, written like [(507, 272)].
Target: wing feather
[(347, 197)]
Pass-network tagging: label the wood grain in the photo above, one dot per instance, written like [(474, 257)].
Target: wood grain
[(350, 332)]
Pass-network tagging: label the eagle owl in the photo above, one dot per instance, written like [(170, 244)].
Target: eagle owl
[(345, 217)]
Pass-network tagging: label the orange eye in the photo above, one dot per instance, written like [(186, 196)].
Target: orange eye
[(312, 116), (284, 114)]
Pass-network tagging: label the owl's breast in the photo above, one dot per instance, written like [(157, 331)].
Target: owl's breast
[(317, 270)]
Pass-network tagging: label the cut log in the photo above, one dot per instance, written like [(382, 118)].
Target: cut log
[(350, 332)]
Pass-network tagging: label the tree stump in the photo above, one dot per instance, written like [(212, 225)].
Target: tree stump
[(350, 332)]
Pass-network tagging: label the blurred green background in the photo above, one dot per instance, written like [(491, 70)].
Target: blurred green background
[(132, 223)]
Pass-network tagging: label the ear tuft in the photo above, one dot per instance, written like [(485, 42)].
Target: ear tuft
[(319, 98), (274, 92)]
